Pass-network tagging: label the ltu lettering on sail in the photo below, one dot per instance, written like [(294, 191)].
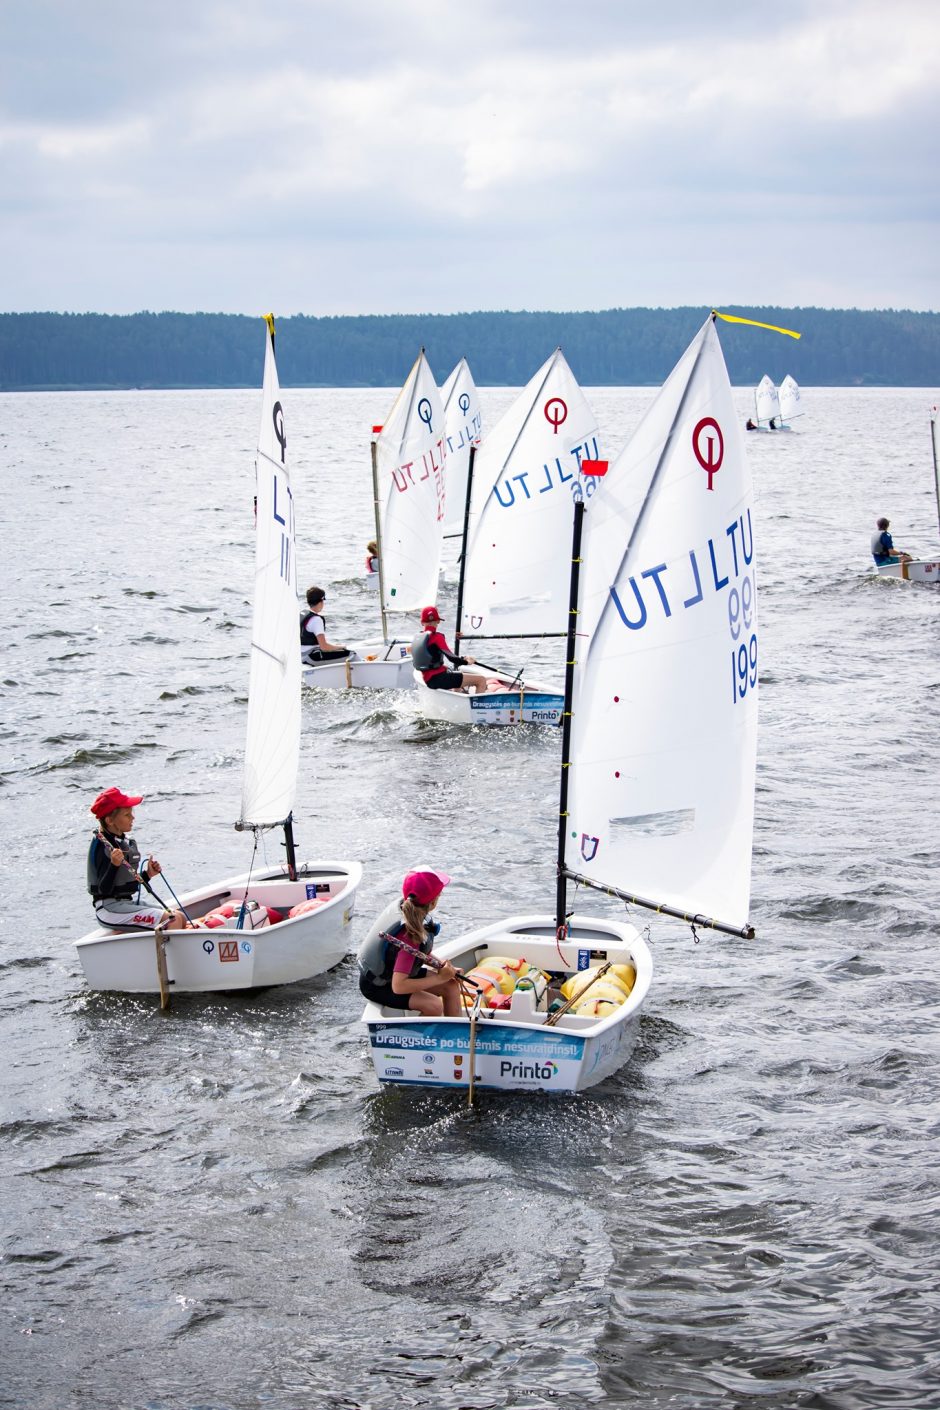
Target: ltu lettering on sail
[(548, 476), (536, 1071), (432, 463), (687, 582)]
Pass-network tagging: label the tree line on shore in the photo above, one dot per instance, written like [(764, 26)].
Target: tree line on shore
[(613, 347)]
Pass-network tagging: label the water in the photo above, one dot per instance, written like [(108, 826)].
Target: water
[(218, 1207)]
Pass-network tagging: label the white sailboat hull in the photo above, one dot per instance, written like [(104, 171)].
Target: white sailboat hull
[(528, 703), (223, 959), (515, 1050), (370, 669), (919, 570)]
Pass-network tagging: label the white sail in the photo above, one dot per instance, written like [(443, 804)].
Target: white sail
[(463, 425), (411, 452), (664, 728), (766, 400), (790, 399), (272, 748), (526, 476)]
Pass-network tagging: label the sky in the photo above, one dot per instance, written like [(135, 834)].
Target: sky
[(439, 156)]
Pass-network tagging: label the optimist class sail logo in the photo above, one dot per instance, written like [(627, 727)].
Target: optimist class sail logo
[(556, 412), (709, 459)]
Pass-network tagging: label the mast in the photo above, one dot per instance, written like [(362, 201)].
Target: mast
[(936, 464), (561, 893), (463, 544), (378, 537)]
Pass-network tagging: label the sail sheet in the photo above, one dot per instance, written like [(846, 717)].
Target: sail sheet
[(463, 426), (410, 458), (766, 399), (790, 399), (664, 726), (272, 748), (526, 476)]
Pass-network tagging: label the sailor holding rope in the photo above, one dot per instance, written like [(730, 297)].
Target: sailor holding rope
[(115, 874), (396, 967)]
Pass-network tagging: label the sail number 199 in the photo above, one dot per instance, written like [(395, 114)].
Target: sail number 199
[(744, 652)]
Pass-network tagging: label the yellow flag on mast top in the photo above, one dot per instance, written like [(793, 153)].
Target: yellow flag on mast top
[(753, 323)]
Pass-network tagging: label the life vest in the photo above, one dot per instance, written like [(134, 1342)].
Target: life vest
[(378, 953), (372, 563), (109, 883), (307, 637), (879, 551), (425, 656)]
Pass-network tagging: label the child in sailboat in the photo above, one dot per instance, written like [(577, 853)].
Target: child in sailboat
[(405, 975), (428, 651), (115, 875), (372, 557), (882, 546), (313, 642)]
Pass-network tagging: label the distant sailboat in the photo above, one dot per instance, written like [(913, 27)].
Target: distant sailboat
[(463, 427), (920, 570), (766, 405), (789, 398)]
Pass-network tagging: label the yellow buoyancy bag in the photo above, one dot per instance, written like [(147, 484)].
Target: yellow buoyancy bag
[(577, 982)]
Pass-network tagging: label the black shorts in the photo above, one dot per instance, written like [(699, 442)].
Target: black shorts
[(383, 994), (445, 680)]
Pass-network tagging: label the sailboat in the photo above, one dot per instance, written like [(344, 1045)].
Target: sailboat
[(920, 570), (790, 401), (766, 405), (409, 454), (463, 429), (306, 907), (658, 756), (513, 580)]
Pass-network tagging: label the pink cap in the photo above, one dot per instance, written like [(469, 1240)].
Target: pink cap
[(424, 886)]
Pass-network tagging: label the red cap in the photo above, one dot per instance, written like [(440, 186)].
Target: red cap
[(424, 886), (112, 799), (429, 614)]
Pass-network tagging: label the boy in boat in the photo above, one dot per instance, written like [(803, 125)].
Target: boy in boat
[(115, 875), (397, 977), (428, 651), (313, 631), (882, 546)]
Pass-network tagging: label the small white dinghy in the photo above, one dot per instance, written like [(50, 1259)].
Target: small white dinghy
[(920, 570), (766, 405), (514, 566), (658, 755), (232, 955)]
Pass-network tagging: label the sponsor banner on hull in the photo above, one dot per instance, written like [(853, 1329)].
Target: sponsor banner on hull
[(535, 709), (439, 1054)]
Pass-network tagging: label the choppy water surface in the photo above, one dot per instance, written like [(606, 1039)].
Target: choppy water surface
[(218, 1207)]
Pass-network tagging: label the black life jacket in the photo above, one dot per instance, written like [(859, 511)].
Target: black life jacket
[(109, 883), (377, 959), (308, 638)]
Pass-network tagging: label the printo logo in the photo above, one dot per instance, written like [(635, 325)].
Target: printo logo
[(534, 1071)]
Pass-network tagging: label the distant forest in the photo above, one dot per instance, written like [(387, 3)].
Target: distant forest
[(616, 347)]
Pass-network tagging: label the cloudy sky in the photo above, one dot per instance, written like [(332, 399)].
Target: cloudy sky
[(356, 156)]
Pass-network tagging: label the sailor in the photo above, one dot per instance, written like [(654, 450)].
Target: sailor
[(314, 644), (428, 651), (372, 557), (750, 424), (397, 976), (882, 546), (115, 874)]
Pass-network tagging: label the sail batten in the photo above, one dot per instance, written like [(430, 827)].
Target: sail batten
[(272, 746), (664, 707)]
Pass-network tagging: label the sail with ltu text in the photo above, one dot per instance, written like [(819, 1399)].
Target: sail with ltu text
[(664, 710), (790, 399), (463, 425), (766, 400), (272, 748), (526, 476), (410, 453)]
